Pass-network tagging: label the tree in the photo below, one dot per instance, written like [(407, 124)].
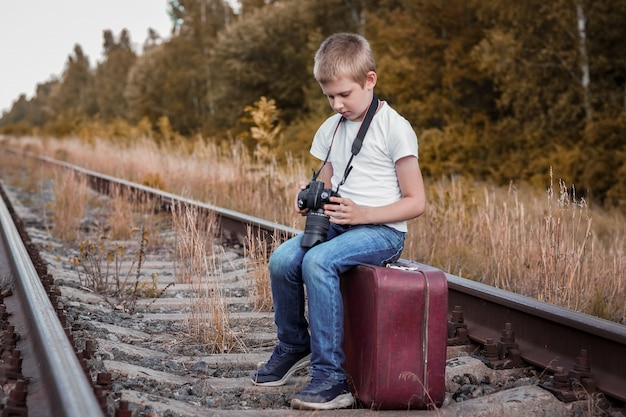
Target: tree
[(249, 6), (111, 75), (554, 67), (74, 94), (423, 50), (153, 39), (263, 54), (269, 53), (143, 89)]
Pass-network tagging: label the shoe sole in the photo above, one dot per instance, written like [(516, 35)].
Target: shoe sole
[(302, 363), (341, 401)]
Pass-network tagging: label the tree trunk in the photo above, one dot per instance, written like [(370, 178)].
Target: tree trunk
[(584, 59)]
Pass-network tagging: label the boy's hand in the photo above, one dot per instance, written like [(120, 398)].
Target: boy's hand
[(343, 211), (302, 212)]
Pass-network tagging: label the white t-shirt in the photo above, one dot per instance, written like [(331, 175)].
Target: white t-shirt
[(373, 181)]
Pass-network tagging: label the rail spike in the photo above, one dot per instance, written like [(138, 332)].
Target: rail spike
[(574, 385), (504, 354), (457, 328)]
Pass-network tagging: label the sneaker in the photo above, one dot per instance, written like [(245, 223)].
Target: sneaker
[(280, 367), (323, 394)]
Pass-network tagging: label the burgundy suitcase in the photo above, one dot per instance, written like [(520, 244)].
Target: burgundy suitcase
[(395, 321)]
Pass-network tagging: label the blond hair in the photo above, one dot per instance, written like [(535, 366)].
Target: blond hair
[(343, 55)]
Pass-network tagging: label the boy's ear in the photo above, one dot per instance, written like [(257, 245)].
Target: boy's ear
[(370, 80)]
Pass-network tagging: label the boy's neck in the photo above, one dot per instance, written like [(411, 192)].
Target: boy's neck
[(376, 103)]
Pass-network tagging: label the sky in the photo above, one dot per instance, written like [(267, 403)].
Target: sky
[(37, 36)]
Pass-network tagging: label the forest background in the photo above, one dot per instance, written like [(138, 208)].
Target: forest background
[(496, 90)]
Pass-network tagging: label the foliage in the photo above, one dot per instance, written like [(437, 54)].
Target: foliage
[(111, 75), (495, 90), (74, 94), (266, 129), (265, 55)]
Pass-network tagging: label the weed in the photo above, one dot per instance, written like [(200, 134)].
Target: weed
[(106, 270)]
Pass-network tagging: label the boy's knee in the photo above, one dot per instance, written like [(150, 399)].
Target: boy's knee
[(313, 263), (309, 259), (282, 261), (275, 263)]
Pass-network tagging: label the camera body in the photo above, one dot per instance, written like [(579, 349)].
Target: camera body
[(313, 197)]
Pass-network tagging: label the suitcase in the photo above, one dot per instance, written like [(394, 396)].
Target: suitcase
[(395, 322)]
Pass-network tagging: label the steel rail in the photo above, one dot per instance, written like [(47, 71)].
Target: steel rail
[(234, 225), (548, 336), (63, 378)]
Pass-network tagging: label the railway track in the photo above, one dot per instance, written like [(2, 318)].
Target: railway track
[(39, 365), (573, 352)]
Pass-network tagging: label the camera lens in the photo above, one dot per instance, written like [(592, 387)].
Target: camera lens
[(315, 229)]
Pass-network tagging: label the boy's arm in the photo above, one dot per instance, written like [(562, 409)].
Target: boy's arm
[(326, 174), (412, 204)]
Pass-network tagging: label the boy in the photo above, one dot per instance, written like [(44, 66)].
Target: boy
[(367, 223)]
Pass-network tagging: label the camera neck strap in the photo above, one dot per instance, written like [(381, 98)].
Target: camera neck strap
[(365, 124), (358, 141)]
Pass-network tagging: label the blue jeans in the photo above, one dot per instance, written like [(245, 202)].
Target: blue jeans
[(292, 268)]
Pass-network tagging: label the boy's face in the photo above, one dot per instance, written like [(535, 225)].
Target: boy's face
[(348, 97)]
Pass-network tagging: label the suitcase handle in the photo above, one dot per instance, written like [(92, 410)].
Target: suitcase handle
[(404, 268)]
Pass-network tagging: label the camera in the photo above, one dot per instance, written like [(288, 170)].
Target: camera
[(313, 197)]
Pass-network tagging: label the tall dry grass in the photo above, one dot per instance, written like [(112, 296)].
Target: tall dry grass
[(548, 244), (197, 263), (70, 199), (257, 251), (121, 212)]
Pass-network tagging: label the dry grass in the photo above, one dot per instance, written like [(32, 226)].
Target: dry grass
[(258, 252), (550, 245), (197, 264), (70, 199), (121, 213), (545, 247), (194, 240)]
